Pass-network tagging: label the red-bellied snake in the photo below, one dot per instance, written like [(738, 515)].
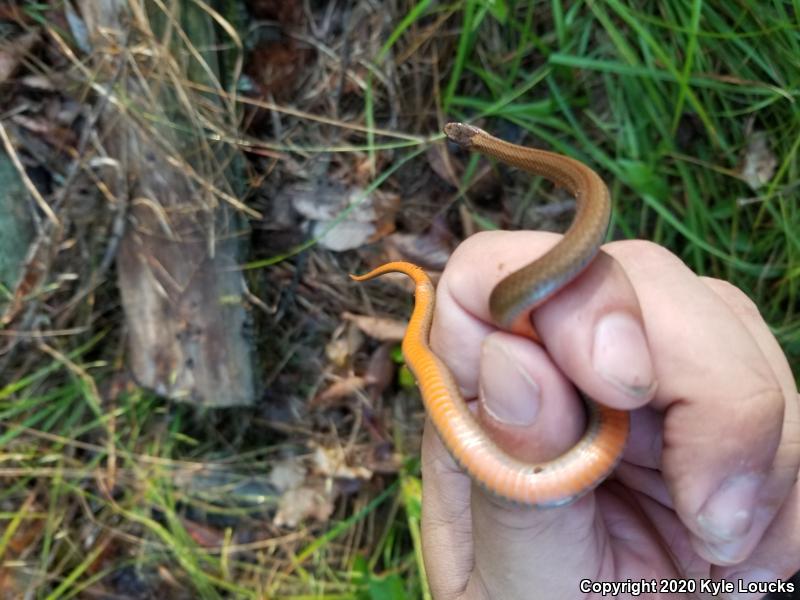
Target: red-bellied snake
[(591, 460)]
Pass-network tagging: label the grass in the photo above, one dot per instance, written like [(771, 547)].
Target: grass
[(107, 488), (619, 86)]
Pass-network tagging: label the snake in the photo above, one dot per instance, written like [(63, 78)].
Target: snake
[(591, 460)]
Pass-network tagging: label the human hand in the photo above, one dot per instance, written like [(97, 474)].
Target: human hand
[(707, 487)]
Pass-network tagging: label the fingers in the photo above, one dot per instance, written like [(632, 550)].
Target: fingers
[(525, 402), (534, 411), (638, 327), (595, 331), (475, 545), (593, 328), (748, 314), (527, 405), (730, 440), (775, 558), (777, 555), (531, 409), (447, 539), (778, 552)]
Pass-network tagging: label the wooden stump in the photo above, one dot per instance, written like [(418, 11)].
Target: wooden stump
[(177, 264)]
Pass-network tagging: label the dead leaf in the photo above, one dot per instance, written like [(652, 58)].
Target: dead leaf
[(11, 11), (379, 328), (441, 163), (431, 249), (305, 502), (332, 463), (43, 83), (342, 217), (56, 135), (34, 272), (343, 236), (77, 27), (303, 496), (341, 388), (759, 163), (347, 339), (289, 13), (287, 473), (326, 202), (203, 535), (338, 352), (380, 370), (12, 52), (277, 68), (219, 484)]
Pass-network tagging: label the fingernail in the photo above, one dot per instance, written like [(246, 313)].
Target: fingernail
[(620, 355), (752, 583), (728, 553), (728, 514), (514, 396)]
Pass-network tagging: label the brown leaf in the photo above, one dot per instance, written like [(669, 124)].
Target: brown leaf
[(387, 204), (431, 249), (379, 328), (56, 135), (342, 388), (11, 11), (380, 369), (33, 274), (289, 13), (441, 163), (13, 51), (277, 68), (203, 535)]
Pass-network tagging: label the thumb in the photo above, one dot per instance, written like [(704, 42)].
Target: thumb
[(533, 412)]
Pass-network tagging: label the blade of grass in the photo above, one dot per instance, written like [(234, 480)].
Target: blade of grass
[(464, 44)]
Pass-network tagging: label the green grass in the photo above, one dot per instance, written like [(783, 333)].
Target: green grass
[(70, 491), (660, 103), (616, 85)]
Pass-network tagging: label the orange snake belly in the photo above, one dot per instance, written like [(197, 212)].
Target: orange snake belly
[(559, 481)]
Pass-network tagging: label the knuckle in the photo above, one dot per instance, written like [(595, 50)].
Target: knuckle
[(734, 297), (645, 251), (763, 417), (474, 244), (647, 259)]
